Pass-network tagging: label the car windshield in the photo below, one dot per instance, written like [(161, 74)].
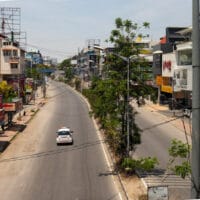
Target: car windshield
[(63, 133)]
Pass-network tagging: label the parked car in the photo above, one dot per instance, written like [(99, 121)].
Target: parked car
[(64, 136)]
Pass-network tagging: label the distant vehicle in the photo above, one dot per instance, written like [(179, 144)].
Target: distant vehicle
[(64, 136)]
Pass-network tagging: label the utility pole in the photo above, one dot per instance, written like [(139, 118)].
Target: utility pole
[(127, 111), (195, 190)]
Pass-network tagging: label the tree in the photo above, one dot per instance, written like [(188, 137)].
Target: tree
[(123, 39), (179, 150), (108, 96), (68, 68), (65, 64), (7, 91)]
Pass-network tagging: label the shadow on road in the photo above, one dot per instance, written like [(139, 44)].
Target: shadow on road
[(54, 151)]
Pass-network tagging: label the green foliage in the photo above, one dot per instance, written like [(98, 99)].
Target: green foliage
[(7, 91), (178, 150), (34, 73), (64, 64), (69, 74), (145, 164), (183, 170), (67, 67), (108, 96), (146, 24)]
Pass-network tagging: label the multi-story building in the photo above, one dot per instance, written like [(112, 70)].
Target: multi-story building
[(88, 62), (146, 49), (12, 64), (172, 61), (33, 58)]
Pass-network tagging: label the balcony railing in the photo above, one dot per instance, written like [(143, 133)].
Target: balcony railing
[(14, 59)]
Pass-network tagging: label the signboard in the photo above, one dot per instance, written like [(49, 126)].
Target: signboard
[(8, 107), (159, 80), (73, 62), (158, 193), (183, 79), (14, 106), (166, 88), (168, 64)]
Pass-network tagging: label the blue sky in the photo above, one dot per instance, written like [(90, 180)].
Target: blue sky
[(60, 27)]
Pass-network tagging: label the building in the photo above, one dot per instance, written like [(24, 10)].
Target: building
[(172, 68), (88, 62), (12, 64), (33, 57)]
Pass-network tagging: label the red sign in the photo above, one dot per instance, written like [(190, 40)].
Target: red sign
[(13, 106), (167, 65), (9, 106)]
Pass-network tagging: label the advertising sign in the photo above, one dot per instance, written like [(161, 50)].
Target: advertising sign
[(159, 80), (168, 64), (166, 88), (73, 62), (14, 106), (158, 193), (8, 107), (183, 79)]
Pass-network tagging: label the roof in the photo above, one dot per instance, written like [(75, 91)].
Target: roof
[(63, 129)]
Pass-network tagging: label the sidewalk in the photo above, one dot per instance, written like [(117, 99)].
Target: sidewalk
[(20, 120)]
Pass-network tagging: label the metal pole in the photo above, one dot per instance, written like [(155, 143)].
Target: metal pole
[(195, 190), (128, 130), (31, 68)]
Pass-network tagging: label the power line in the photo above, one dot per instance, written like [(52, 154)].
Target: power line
[(50, 50)]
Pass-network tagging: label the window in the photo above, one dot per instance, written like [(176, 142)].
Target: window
[(7, 53), (15, 53), (185, 57), (14, 65), (7, 43)]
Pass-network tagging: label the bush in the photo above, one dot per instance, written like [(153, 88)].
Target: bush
[(130, 165)]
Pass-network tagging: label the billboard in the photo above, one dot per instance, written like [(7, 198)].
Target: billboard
[(183, 79), (168, 64)]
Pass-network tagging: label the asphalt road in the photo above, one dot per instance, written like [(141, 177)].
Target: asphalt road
[(158, 132), (34, 167)]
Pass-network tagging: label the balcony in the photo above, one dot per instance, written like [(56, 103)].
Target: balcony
[(14, 59)]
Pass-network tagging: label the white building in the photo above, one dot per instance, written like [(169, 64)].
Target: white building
[(12, 58)]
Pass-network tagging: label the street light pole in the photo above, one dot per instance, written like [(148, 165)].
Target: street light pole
[(128, 60)]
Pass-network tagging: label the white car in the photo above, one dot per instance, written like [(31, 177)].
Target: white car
[(64, 136)]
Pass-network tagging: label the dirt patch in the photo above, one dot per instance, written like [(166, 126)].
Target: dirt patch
[(134, 187)]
